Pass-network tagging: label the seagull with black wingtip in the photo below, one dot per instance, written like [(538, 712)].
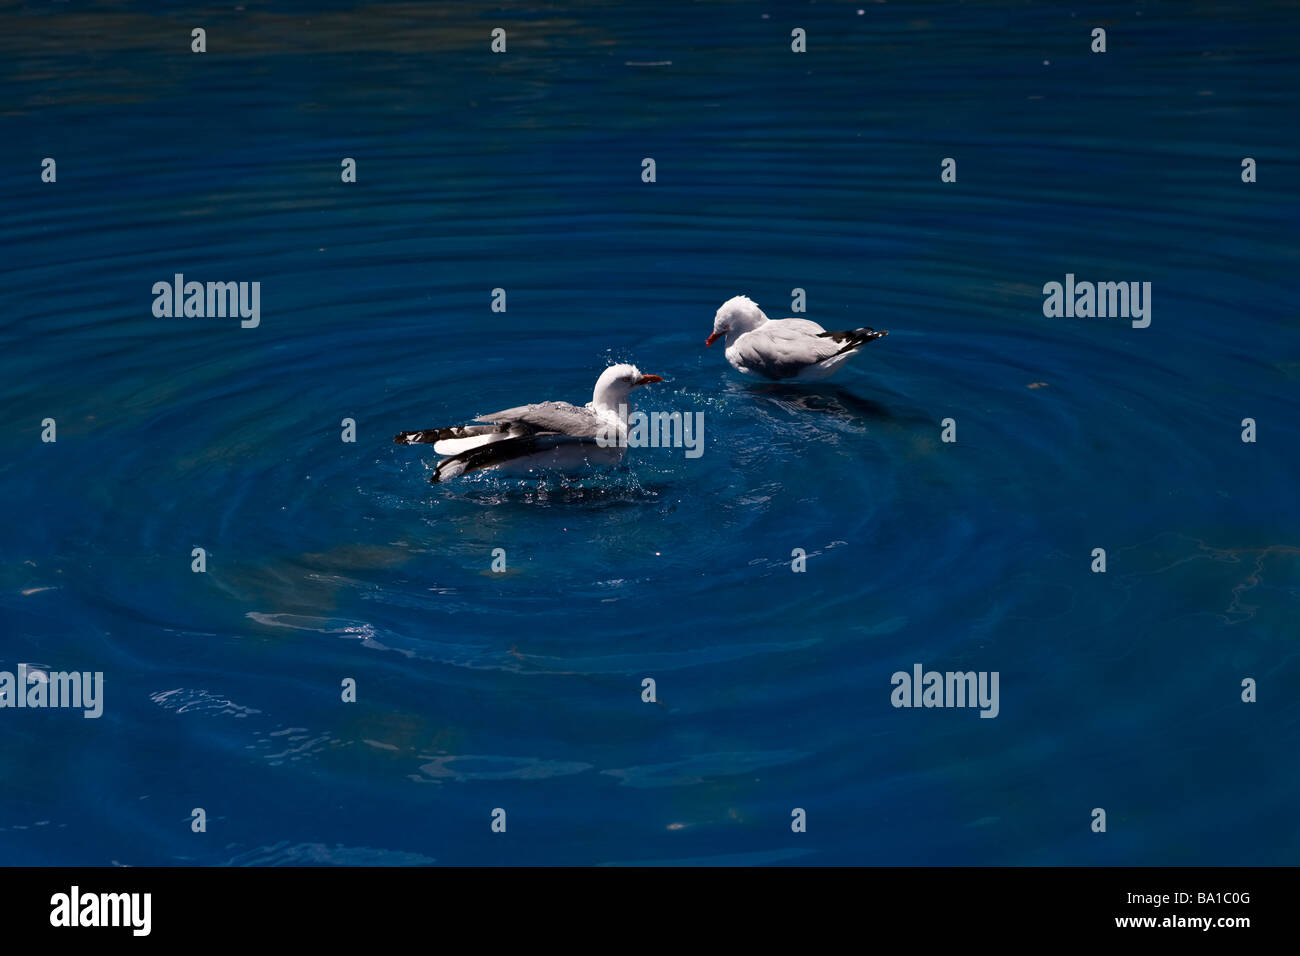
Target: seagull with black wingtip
[(544, 436), (783, 349)]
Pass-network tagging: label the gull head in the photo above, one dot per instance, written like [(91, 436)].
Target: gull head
[(736, 316), (616, 383)]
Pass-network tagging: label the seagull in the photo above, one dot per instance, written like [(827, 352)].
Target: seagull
[(547, 435), (783, 348)]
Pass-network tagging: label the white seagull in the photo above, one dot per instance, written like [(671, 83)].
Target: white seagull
[(547, 435), (783, 348)]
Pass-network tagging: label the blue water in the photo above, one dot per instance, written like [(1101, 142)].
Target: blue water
[(522, 690)]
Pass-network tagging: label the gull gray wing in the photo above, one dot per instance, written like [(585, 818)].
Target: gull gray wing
[(559, 418), (802, 326), (784, 348)]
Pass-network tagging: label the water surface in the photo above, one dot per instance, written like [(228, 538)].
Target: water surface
[(522, 690)]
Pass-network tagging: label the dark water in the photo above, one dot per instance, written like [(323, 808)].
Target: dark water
[(522, 690)]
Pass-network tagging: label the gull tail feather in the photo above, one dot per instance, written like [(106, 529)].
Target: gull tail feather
[(495, 453), (851, 339), (427, 436)]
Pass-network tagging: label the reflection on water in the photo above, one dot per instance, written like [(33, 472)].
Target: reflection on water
[(835, 401)]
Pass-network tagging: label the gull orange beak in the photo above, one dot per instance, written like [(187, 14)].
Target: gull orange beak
[(648, 379), (713, 338)]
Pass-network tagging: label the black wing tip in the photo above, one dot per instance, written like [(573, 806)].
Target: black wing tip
[(850, 340), (864, 334), (427, 436)]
